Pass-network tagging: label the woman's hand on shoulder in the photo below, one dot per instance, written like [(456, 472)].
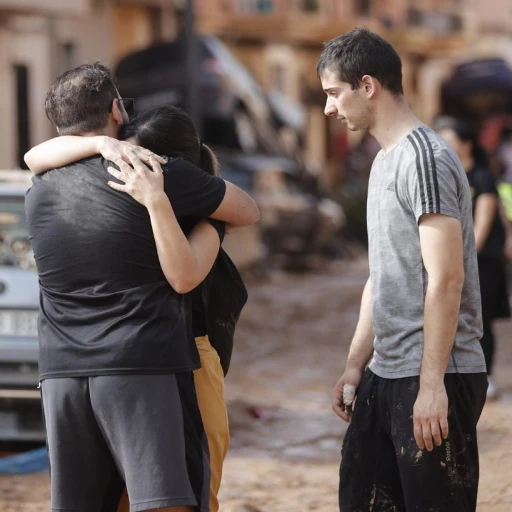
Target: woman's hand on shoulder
[(145, 183), (116, 151)]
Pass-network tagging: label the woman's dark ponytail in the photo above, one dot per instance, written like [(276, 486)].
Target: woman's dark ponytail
[(207, 160)]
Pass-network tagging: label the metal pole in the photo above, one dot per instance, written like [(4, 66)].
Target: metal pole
[(192, 66)]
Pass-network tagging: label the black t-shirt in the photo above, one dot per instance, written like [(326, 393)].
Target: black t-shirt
[(198, 313), (481, 182), (106, 307), (199, 324)]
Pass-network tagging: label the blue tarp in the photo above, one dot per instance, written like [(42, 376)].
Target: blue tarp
[(27, 462)]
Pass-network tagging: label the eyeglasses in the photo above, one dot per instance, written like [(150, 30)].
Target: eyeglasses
[(129, 106)]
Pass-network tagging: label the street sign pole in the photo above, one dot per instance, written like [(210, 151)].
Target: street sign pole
[(192, 66)]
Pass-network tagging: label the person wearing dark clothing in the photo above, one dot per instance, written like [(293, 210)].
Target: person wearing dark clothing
[(116, 345), (215, 304), (489, 233)]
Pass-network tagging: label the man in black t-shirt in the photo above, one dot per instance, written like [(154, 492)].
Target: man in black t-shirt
[(116, 348)]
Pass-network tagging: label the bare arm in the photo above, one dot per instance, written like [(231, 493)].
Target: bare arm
[(485, 210), (360, 353), (67, 149), (361, 348), (442, 253), (237, 209), (185, 263)]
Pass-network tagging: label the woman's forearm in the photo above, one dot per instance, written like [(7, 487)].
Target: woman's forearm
[(61, 151), (185, 264)]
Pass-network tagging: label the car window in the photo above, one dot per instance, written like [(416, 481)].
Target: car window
[(14, 240)]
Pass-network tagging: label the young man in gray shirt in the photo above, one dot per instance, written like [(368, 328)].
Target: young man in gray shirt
[(415, 360)]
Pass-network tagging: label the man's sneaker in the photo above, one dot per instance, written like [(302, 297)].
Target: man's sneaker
[(492, 390)]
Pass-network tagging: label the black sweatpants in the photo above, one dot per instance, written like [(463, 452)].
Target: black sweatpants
[(382, 468), (492, 290)]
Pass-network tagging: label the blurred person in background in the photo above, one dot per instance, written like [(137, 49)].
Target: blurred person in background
[(414, 384), (216, 303), (490, 232), (505, 153), (504, 157)]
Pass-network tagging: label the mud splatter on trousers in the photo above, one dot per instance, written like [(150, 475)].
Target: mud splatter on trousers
[(382, 468)]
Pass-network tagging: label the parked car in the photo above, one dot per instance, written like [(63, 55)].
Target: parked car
[(20, 406)]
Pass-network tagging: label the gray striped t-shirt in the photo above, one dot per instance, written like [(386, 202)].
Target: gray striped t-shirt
[(420, 175)]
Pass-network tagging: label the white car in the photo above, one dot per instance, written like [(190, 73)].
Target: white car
[(20, 404)]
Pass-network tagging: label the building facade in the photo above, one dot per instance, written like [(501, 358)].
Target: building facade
[(41, 39), (280, 40), (277, 40)]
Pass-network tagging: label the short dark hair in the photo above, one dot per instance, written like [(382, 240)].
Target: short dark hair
[(80, 100), (362, 52), (170, 131)]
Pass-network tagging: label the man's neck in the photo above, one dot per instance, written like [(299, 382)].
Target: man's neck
[(92, 134), (393, 120), (111, 129), (108, 132)]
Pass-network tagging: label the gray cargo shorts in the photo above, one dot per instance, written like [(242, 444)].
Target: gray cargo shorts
[(146, 428)]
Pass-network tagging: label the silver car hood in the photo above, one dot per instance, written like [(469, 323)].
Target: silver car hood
[(19, 288)]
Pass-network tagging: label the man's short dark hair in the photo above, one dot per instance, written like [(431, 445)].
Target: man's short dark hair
[(361, 52), (80, 100)]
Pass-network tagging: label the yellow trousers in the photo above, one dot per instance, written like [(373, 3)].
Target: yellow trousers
[(209, 381)]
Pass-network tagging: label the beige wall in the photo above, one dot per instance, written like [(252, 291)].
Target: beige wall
[(96, 31), (281, 57), (32, 46), (251, 56), (91, 35), (493, 15), (47, 6), (7, 135), (28, 42), (132, 27), (431, 76)]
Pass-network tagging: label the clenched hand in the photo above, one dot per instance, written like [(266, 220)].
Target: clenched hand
[(343, 394)]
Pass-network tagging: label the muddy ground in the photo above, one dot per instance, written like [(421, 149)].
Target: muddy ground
[(284, 456)]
